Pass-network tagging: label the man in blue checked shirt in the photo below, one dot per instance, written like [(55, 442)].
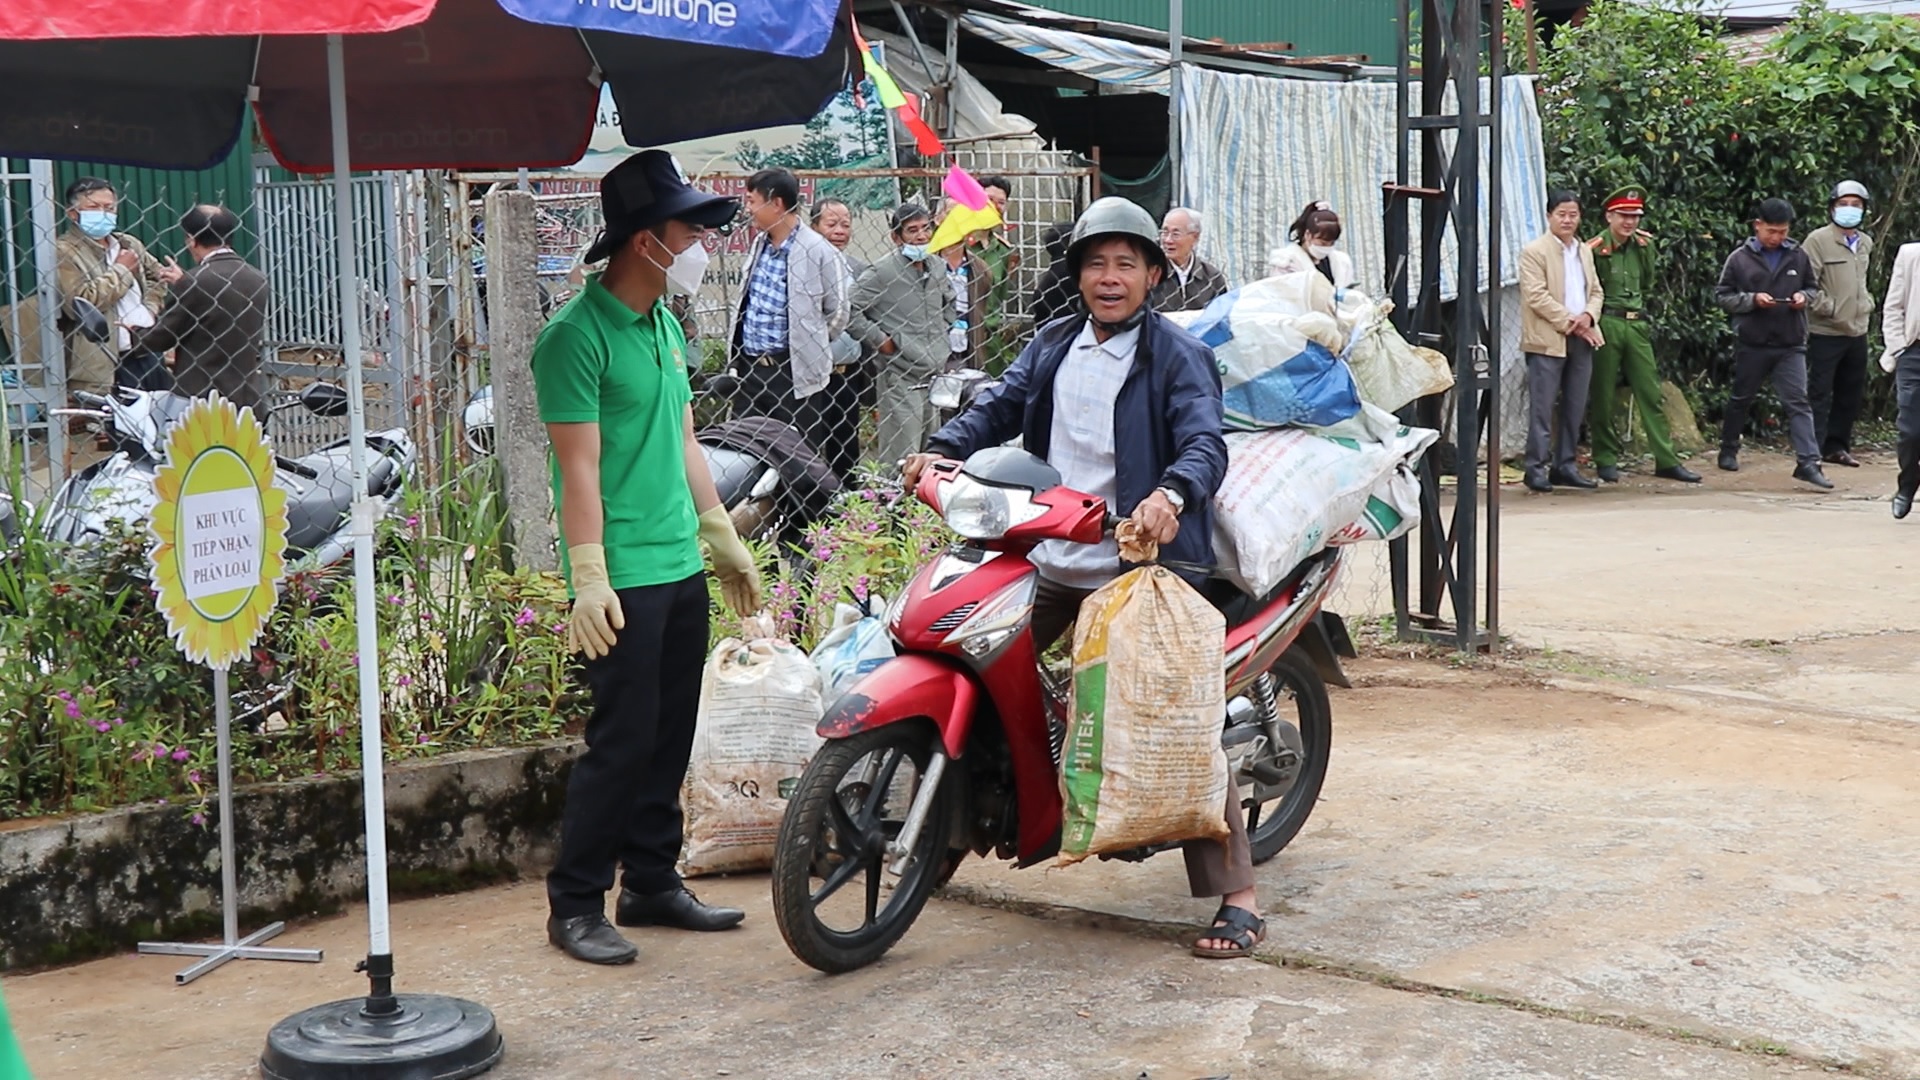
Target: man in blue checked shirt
[(793, 306)]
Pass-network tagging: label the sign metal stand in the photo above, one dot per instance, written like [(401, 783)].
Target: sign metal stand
[(220, 534)]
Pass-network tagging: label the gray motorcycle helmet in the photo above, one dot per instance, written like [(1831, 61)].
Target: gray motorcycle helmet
[(1849, 187), (1114, 216)]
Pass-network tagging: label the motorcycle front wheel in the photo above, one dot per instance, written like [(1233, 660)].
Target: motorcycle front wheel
[(1303, 719), (836, 898)]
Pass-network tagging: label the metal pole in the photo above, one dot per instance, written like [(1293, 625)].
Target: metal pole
[(53, 350), (1496, 89), (1399, 250), (380, 999), (951, 75), (229, 879), (1466, 347), (1176, 39)]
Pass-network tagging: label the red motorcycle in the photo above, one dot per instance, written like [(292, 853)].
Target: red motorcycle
[(954, 745)]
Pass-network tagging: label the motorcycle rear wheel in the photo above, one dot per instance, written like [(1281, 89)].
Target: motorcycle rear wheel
[(851, 801), (1274, 818)]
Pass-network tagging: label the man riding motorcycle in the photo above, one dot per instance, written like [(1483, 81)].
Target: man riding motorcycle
[(1126, 405)]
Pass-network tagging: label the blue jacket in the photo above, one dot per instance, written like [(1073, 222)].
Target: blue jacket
[(1167, 421)]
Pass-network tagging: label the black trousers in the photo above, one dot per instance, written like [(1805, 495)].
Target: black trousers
[(140, 369), (1836, 381), (836, 434), (623, 799), (1906, 386), (1752, 364), (766, 390)]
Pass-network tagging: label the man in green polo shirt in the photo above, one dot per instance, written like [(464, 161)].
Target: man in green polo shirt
[(636, 503), (1623, 259)]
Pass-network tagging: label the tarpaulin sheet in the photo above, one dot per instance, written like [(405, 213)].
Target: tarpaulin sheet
[(30, 20), (797, 28)]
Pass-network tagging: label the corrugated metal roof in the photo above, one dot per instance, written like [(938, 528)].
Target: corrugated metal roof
[(1349, 28)]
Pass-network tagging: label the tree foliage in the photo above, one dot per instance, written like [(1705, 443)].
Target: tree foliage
[(1638, 95)]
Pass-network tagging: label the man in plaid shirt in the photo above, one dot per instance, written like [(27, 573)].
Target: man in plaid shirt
[(794, 305)]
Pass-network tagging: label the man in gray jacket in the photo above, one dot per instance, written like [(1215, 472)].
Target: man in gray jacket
[(1837, 322), (792, 307), (902, 310)]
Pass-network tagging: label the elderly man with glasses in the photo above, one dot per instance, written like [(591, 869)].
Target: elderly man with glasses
[(1191, 282)]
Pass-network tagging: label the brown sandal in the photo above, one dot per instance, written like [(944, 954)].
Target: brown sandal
[(1235, 924)]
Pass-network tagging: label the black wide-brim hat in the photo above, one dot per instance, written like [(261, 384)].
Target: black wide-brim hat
[(648, 189)]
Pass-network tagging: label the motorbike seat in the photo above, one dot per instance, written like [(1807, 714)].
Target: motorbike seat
[(316, 507), (734, 472), (1241, 607)]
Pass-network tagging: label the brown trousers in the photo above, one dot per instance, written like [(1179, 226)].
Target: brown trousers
[(1213, 868)]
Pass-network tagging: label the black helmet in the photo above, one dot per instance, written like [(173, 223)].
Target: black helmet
[(1114, 216)]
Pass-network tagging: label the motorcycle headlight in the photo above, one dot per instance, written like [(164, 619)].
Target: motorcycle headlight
[(997, 620), (977, 511)]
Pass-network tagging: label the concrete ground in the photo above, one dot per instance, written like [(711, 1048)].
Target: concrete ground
[(1666, 837)]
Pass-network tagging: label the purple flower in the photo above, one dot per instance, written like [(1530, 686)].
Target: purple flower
[(102, 726), (140, 755), (198, 818), (395, 599), (160, 750), (182, 754), (193, 777), (405, 680), (423, 740), (413, 520), (64, 696), (324, 646), (73, 710), (525, 617), (117, 721), (559, 628)]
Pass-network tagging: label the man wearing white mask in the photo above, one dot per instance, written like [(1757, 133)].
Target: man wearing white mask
[(114, 272), (636, 504), (903, 309), (1837, 322)]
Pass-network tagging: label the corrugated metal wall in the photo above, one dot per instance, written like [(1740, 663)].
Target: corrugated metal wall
[(1346, 28)]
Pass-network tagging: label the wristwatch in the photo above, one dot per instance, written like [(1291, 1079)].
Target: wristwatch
[(1178, 500)]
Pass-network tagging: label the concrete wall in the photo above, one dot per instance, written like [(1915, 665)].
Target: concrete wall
[(79, 887)]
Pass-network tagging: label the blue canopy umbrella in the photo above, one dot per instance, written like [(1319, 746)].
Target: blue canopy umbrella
[(388, 84)]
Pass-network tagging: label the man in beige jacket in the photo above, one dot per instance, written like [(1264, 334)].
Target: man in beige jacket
[(1837, 322), (1900, 326), (1559, 329), (113, 272)]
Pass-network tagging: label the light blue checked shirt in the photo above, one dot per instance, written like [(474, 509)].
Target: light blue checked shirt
[(763, 326), (1081, 447)]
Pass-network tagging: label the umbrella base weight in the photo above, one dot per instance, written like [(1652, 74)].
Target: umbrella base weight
[(427, 1036), (247, 948)]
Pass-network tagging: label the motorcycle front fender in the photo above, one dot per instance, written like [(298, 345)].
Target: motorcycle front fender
[(906, 688)]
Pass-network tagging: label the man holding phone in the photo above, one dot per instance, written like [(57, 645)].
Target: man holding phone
[(1766, 286)]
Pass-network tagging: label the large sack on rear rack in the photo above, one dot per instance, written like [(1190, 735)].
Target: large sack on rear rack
[(1276, 341), (1142, 763)]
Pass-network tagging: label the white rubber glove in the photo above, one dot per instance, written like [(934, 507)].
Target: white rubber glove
[(596, 607), (732, 562)]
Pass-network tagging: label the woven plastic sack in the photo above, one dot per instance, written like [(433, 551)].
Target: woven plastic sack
[(1142, 763), (759, 706), (1389, 371), (856, 644), (1275, 341), (1287, 494)]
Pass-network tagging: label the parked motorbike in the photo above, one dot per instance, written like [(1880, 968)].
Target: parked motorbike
[(954, 745), (954, 392), (750, 487), (120, 488)]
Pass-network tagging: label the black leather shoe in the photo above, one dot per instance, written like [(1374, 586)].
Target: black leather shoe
[(1902, 504), (590, 938), (1678, 472), (1536, 482), (1730, 460), (1841, 457), (1810, 473), (1572, 478), (1609, 474), (679, 909)]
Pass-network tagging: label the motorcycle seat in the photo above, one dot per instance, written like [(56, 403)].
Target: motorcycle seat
[(317, 505), (1240, 607)]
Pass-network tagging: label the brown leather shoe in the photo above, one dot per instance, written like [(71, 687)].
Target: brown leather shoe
[(1841, 457)]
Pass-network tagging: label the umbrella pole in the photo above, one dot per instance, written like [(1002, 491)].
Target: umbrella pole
[(383, 1034)]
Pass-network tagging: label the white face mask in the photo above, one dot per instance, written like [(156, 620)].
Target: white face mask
[(1319, 251), (688, 269)]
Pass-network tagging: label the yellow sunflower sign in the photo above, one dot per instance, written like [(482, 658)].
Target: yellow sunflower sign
[(220, 532)]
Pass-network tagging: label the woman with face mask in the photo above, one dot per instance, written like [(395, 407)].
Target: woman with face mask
[(903, 309), (115, 273), (1313, 235)]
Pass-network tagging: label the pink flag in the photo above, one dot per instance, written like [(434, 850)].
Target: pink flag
[(962, 188)]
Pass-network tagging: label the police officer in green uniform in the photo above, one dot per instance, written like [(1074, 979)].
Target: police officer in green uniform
[(1623, 258)]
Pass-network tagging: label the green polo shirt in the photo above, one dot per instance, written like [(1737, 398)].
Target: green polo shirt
[(1626, 272), (600, 362)]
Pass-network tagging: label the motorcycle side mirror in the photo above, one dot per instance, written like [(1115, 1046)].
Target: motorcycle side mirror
[(324, 399), (82, 317)]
